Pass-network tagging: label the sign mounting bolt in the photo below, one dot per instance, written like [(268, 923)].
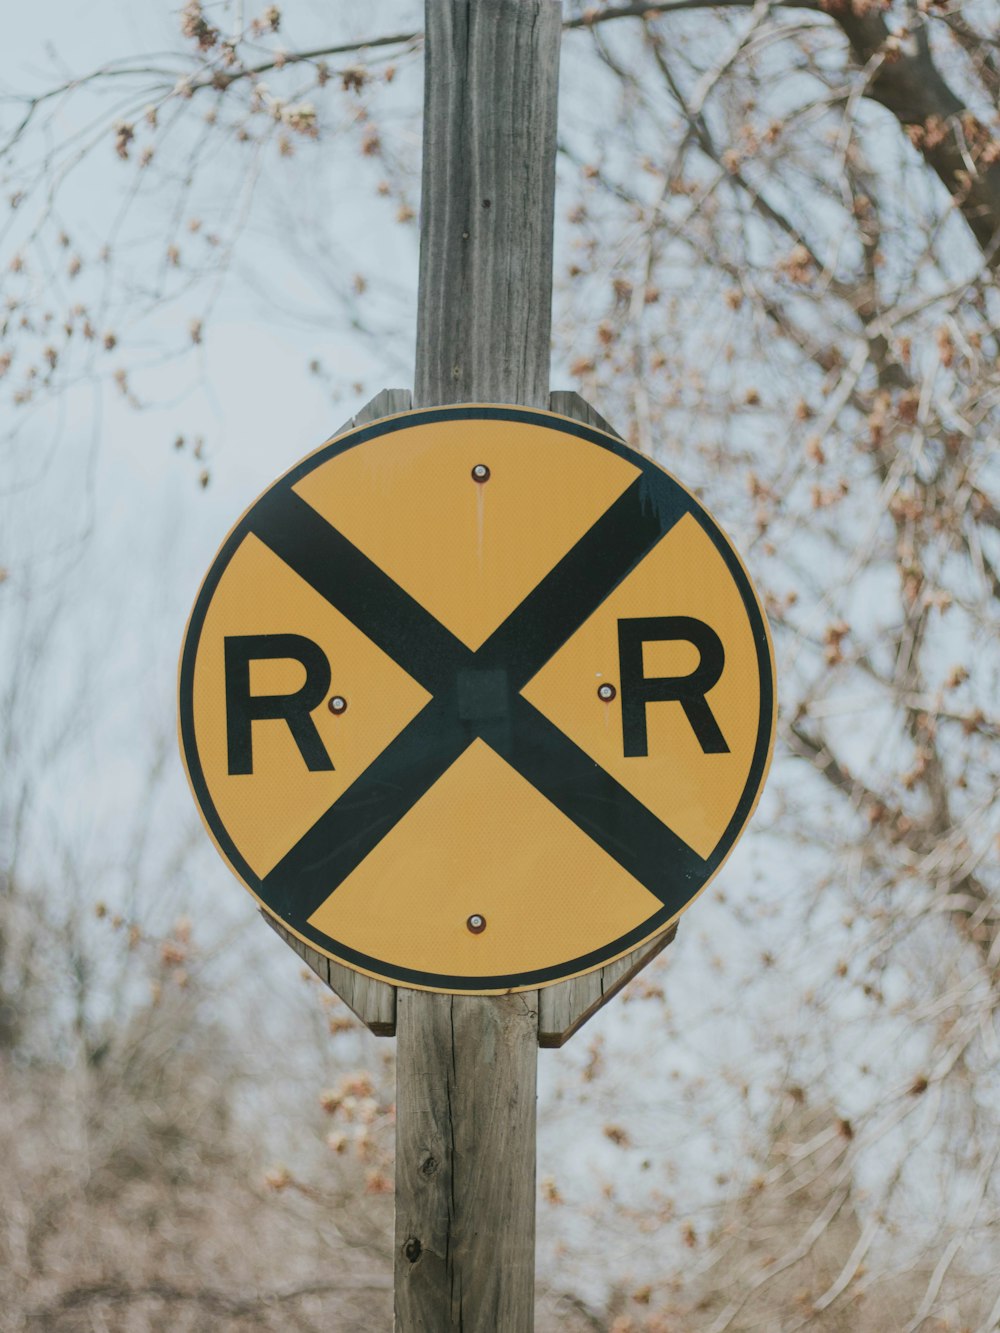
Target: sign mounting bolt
[(338, 704), (476, 923), (606, 692), (480, 473)]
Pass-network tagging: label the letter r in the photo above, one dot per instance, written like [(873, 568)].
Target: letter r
[(244, 708), (689, 691)]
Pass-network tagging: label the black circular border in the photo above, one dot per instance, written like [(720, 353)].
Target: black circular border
[(515, 981)]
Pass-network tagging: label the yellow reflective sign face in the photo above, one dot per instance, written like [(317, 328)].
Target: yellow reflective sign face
[(476, 699)]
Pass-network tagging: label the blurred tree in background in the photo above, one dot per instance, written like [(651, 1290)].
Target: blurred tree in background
[(779, 230)]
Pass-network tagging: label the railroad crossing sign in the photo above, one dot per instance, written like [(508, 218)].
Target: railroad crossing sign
[(476, 699)]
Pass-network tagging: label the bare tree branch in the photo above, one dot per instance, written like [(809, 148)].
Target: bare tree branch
[(218, 1302)]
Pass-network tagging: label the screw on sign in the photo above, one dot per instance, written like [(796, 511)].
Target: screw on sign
[(560, 689)]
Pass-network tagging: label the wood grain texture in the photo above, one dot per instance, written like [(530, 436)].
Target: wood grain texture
[(372, 1001), (386, 403), (568, 403), (490, 93), (465, 1163), (564, 1008), (466, 1065)]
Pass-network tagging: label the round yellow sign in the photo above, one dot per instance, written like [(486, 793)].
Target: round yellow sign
[(476, 699)]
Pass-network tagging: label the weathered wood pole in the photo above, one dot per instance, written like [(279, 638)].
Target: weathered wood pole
[(484, 312), (466, 1066)]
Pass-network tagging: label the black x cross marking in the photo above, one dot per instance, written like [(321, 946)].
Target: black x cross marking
[(475, 694)]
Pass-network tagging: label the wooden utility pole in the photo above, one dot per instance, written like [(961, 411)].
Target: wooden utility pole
[(466, 1065)]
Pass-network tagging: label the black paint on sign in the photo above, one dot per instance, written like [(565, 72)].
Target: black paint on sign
[(477, 694), (243, 709), (689, 691)]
